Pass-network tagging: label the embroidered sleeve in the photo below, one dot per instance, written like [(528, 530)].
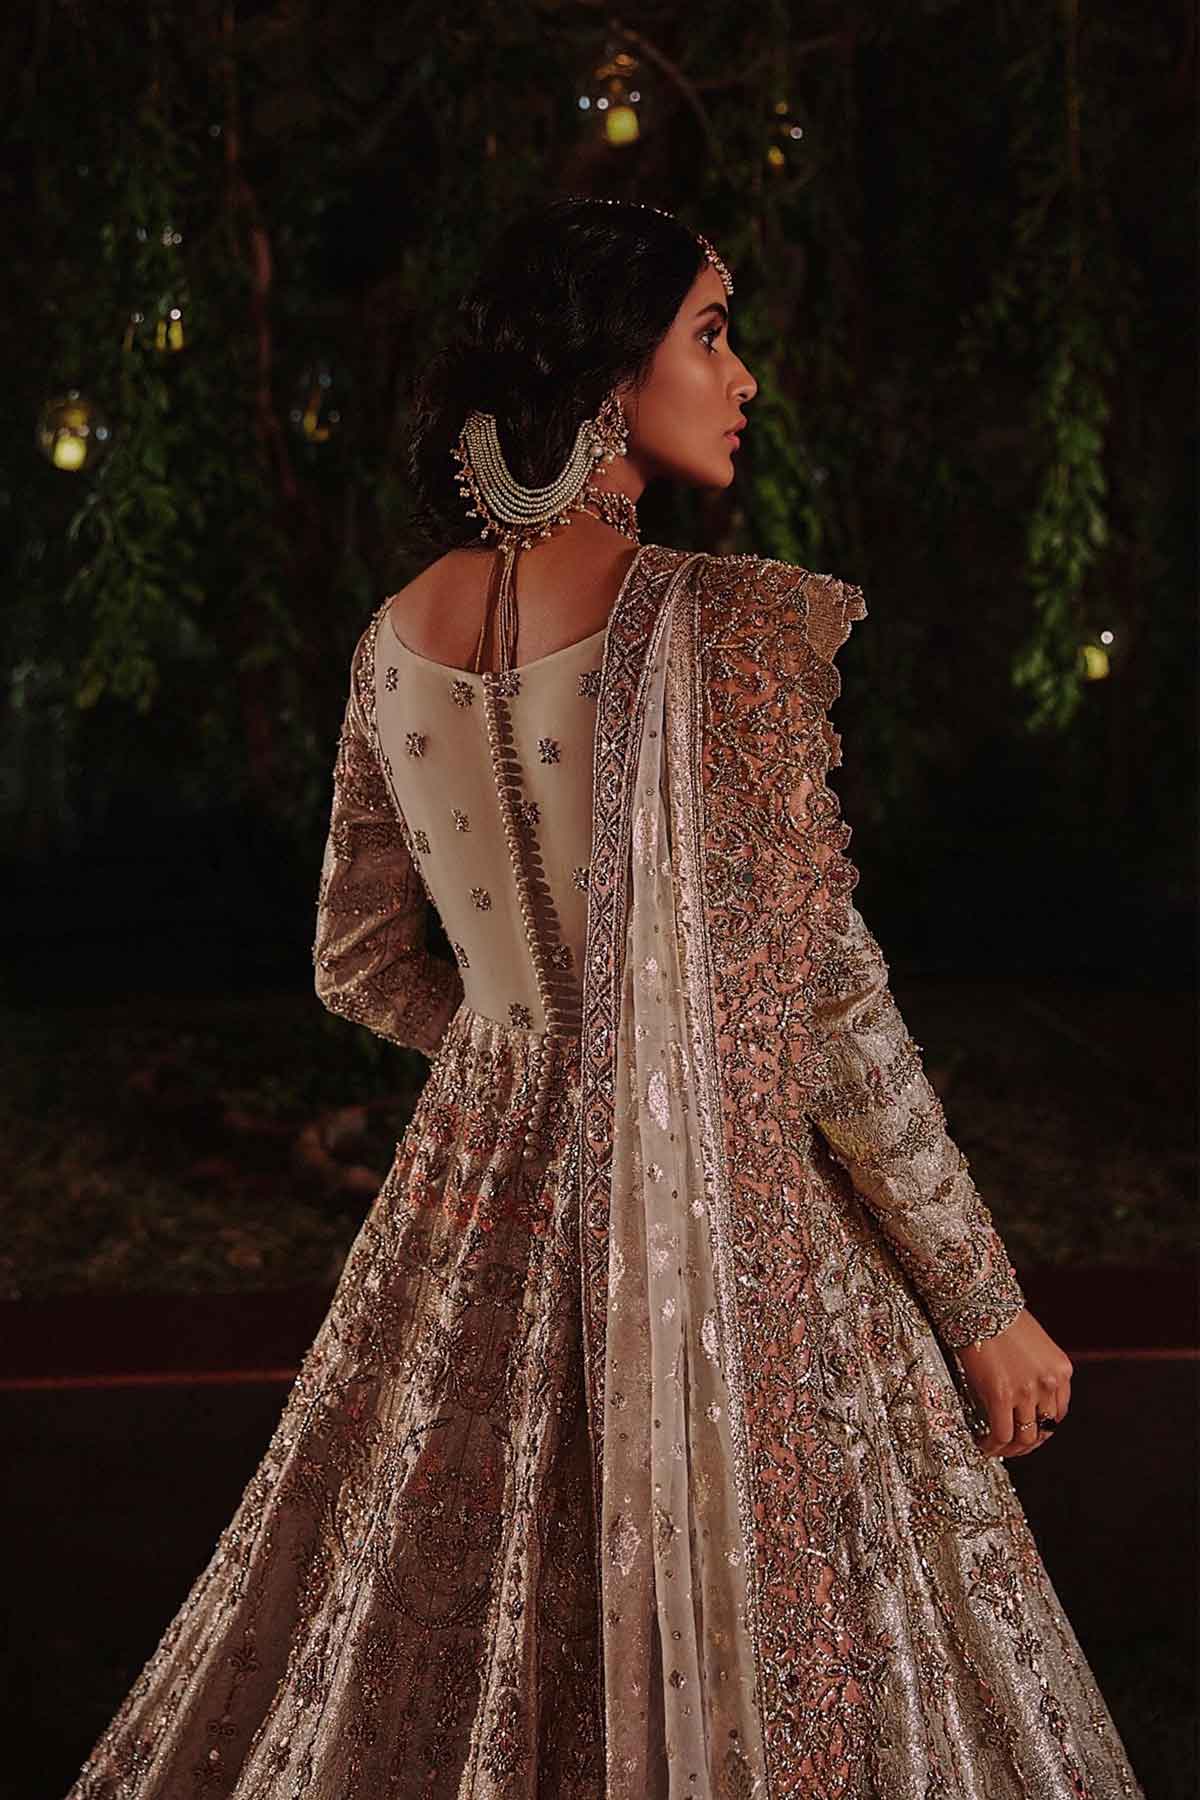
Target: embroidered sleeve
[(874, 1105), (370, 962), (884, 1122)]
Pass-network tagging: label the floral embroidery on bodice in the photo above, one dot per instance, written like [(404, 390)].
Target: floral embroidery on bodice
[(492, 775)]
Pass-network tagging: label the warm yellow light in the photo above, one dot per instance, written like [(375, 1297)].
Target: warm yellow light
[(621, 125), (71, 431), (175, 333), (1095, 662), (776, 157), (68, 452)]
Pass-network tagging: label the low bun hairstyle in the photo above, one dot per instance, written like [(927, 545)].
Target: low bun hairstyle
[(573, 298)]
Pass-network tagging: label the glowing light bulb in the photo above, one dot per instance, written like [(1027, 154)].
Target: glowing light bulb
[(72, 432), (68, 453), (621, 125)]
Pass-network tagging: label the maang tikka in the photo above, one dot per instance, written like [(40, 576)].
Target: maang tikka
[(515, 515)]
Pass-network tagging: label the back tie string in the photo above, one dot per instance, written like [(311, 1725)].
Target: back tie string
[(504, 604)]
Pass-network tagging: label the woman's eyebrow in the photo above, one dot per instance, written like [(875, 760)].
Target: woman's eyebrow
[(714, 306)]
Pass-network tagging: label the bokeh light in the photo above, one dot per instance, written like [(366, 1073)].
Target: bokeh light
[(72, 432)]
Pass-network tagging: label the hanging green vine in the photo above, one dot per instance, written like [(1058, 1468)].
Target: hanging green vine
[(1060, 297), (137, 526), (934, 226), (1069, 526)]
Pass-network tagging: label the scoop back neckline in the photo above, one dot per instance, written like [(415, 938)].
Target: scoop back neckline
[(478, 674)]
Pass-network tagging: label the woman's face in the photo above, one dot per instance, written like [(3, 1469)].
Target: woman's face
[(680, 420)]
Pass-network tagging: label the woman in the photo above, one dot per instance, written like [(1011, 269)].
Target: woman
[(636, 1455)]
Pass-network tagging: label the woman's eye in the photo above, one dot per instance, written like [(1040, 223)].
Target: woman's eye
[(712, 331)]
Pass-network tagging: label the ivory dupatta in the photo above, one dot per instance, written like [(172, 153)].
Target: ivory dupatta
[(674, 1533)]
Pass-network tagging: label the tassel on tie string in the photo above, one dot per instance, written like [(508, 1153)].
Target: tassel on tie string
[(504, 606)]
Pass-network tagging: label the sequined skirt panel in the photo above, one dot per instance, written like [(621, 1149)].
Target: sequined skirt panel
[(404, 1604)]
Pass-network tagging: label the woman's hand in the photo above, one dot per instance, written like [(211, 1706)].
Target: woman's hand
[(1016, 1376)]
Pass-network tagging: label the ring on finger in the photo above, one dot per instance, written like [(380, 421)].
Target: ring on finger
[(1038, 1424)]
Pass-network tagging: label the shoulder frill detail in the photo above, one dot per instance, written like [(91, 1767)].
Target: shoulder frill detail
[(792, 620), (779, 876), (826, 605)]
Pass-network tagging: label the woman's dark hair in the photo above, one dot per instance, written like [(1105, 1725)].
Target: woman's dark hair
[(574, 297)]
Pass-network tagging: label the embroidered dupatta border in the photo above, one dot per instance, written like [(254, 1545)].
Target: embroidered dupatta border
[(776, 885), (766, 833), (650, 583), (684, 725)]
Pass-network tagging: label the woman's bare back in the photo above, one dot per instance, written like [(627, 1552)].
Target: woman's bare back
[(566, 587)]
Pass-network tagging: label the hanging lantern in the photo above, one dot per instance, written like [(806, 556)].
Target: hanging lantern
[(168, 329), (316, 409), (161, 329), (613, 96), (72, 432)]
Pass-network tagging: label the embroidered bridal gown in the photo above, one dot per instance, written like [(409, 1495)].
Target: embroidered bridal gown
[(632, 1460)]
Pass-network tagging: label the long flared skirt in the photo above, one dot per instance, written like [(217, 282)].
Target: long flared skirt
[(404, 1603)]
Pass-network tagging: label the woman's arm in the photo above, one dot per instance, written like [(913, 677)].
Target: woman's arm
[(774, 631), (369, 956), (884, 1122)]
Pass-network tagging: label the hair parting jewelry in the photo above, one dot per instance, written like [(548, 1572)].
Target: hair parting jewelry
[(709, 251)]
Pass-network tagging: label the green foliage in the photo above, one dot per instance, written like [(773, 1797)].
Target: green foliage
[(1069, 526), (1050, 293), (939, 228)]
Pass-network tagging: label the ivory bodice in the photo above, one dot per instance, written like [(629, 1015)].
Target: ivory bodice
[(492, 773)]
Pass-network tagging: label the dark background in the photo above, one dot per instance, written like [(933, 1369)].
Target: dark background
[(963, 250), (966, 290)]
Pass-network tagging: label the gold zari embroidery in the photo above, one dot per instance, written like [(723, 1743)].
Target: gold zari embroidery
[(633, 1460)]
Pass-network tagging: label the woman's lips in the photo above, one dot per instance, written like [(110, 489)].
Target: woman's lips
[(734, 440)]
